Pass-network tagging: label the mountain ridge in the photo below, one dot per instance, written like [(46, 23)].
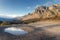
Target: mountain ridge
[(43, 12)]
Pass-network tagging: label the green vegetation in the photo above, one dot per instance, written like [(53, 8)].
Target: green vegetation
[(53, 13), (30, 21), (5, 23)]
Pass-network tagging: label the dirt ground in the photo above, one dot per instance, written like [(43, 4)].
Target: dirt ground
[(48, 26)]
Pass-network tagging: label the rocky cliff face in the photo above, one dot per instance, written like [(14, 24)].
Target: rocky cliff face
[(43, 12), (55, 9)]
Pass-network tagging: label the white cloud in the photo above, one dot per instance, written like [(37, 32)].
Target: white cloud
[(37, 6), (28, 7), (10, 15), (48, 3)]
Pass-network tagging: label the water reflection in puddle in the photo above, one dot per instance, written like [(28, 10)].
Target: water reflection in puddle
[(15, 31)]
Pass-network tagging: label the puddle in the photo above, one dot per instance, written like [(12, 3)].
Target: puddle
[(15, 31)]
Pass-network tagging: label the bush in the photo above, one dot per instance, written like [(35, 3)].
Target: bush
[(31, 21), (5, 23)]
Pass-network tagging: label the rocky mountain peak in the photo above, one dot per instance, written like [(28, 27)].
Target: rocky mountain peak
[(43, 12), (41, 9)]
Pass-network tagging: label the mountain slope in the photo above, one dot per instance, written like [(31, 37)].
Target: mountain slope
[(43, 12), (6, 19)]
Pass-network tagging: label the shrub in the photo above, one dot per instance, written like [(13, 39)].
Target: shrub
[(31, 21), (5, 23)]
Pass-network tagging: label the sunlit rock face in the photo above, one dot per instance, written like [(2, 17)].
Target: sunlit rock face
[(15, 31)]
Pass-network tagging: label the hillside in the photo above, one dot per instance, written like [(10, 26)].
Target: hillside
[(42, 13)]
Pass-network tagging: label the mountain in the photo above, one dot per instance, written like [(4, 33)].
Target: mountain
[(6, 19), (42, 12)]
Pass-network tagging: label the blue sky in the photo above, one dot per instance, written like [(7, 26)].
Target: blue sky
[(14, 8)]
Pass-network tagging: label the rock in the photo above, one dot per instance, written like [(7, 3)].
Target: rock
[(43, 12)]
